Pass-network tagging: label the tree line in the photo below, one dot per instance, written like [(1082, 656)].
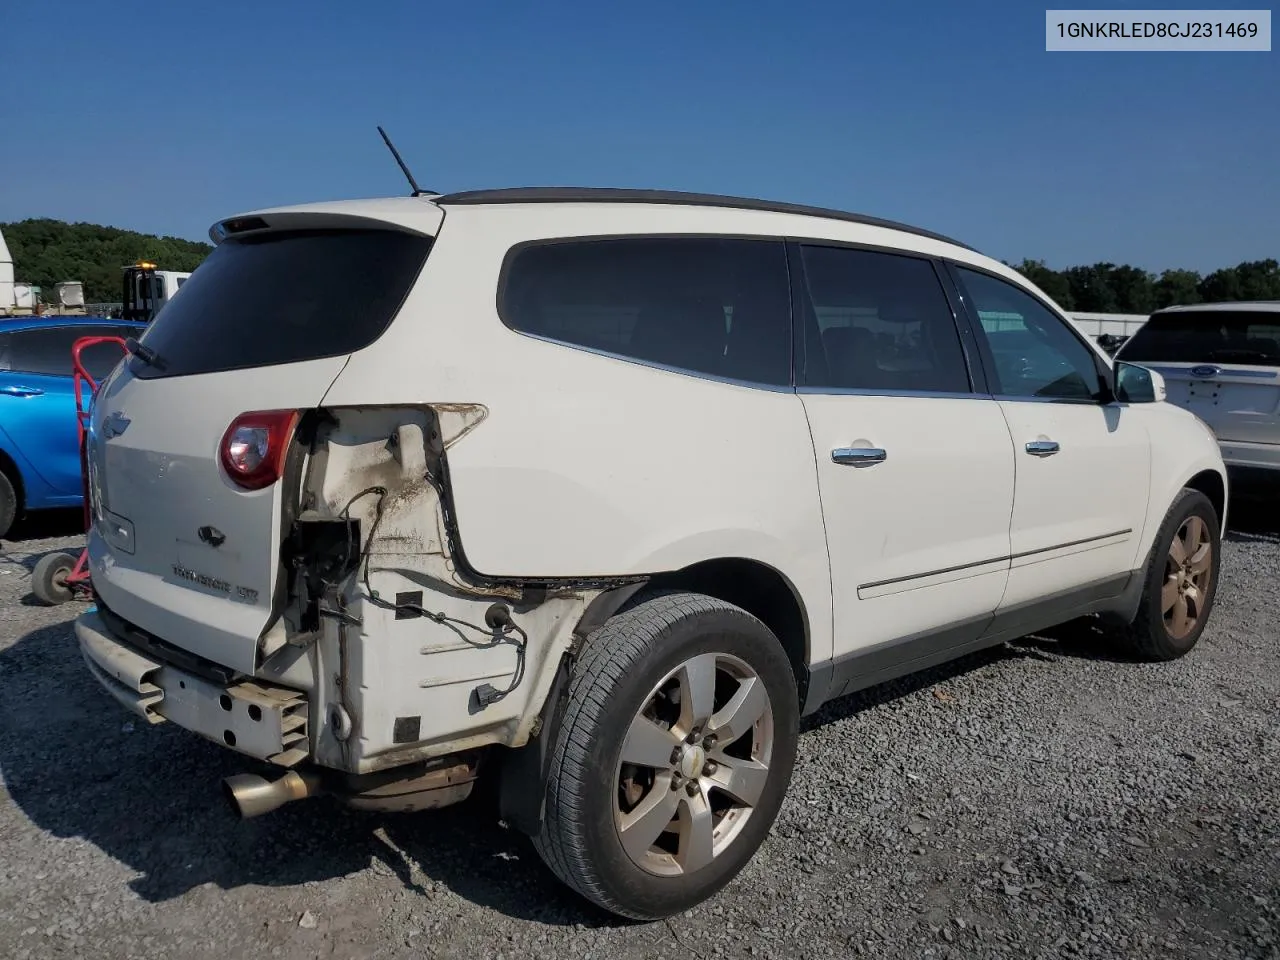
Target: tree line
[(1108, 288), (48, 251)]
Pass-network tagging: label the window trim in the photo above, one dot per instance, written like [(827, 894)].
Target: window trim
[(1101, 369), (504, 277), (974, 370)]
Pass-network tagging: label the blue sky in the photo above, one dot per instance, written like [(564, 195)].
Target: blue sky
[(166, 116)]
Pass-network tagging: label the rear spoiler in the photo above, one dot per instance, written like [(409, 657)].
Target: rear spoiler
[(410, 215)]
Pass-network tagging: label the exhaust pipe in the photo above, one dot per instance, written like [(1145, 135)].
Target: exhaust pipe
[(252, 796)]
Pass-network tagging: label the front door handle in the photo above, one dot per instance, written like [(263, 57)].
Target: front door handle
[(22, 391), (858, 456), (1043, 448)]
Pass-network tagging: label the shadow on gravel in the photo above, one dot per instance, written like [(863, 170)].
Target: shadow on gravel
[(46, 524), (22, 565), (881, 694), (1085, 639), (1254, 518), (80, 766)]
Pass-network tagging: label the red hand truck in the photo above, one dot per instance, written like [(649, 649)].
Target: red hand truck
[(60, 577)]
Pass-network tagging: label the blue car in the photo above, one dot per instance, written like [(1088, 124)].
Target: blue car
[(39, 439)]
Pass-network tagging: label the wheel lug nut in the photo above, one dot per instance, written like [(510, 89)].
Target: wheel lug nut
[(709, 743), (693, 736), (675, 755), (676, 782), (709, 768), (691, 788)]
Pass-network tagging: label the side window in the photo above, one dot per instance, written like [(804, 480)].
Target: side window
[(880, 321), (1035, 354), (711, 306), (43, 351)]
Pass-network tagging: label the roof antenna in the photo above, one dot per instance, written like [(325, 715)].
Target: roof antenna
[(417, 190)]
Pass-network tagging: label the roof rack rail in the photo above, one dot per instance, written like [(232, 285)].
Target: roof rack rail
[(681, 198)]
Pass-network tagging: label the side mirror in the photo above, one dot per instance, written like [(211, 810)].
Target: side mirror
[(1135, 384)]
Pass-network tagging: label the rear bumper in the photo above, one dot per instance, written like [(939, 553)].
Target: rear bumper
[(266, 722), (1251, 456)]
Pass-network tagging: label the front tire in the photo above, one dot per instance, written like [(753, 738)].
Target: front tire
[(673, 756), (1181, 581)]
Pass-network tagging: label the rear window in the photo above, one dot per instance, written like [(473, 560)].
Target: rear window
[(284, 298), (1202, 336)]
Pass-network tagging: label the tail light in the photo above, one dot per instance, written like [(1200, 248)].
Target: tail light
[(253, 449)]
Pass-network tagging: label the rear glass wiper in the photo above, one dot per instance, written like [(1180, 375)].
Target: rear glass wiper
[(145, 353)]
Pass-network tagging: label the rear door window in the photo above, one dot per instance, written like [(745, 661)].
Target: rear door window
[(284, 297), (45, 351), (1250, 337), (879, 322), (48, 351), (719, 307)]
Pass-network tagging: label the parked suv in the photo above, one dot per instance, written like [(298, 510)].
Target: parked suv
[(1221, 361), (604, 490)]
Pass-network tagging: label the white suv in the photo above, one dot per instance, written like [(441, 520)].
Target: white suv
[(1222, 362), (603, 490)]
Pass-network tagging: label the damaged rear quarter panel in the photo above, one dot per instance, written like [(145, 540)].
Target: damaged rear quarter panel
[(588, 466), (408, 681)]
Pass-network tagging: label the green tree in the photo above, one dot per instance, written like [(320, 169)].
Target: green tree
[(46, 252), (1132, 288), (1091, 288), (1049, 280), (1177, 287), (1251, 280)]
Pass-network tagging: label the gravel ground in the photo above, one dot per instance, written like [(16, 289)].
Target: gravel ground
[(1041, 800)]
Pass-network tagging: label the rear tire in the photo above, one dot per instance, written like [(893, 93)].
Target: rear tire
[(701, 698), (1181, 581), (49, 579), (8, 505)]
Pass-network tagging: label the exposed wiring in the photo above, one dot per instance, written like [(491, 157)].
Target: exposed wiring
[(500, 627)]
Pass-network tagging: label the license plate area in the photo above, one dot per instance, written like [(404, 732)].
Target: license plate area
[(263, 722), (1204, 392)]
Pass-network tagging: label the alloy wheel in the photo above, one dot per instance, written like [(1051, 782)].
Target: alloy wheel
[(1187, 576), (694, 764)]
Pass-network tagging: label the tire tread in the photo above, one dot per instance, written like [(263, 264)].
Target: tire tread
[(1145, 636), (617, 647)]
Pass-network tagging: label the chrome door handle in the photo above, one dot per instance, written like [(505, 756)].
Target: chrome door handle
[(858, 456), (22, 391), (1042, 448)]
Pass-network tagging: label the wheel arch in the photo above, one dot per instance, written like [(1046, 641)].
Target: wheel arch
[(1208, 480), (763, 591), (9, 467), (1213, 485)]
